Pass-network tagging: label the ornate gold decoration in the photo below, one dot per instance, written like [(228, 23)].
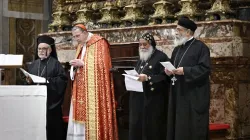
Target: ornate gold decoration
[(109, 14), (96, 6), (73, 1), (120, 3), (72, 8), (51, 28), (134, 14), (60, 17), (189, 9), (220, 10), (83, 15), (162, 11)]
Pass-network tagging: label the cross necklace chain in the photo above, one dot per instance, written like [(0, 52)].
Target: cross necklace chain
[(146, 63), (38, 71), (173, 79)]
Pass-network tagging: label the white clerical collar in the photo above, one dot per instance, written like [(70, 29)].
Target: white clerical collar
[(89, 36), (189, 39)]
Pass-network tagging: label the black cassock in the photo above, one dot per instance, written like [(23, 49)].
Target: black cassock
[(55, 93), (188, 114), (147, 111)]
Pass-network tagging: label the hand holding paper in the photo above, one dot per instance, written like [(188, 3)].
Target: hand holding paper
[(34, 78), (29, 80), (168, 65), (131, 81)]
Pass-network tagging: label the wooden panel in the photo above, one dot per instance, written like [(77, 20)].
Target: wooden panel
[(124, 50), (124, 57)]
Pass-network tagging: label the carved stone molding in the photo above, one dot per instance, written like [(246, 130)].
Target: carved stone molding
[(30, 6)]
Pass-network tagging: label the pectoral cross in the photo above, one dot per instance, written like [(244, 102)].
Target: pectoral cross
[(173, 80)]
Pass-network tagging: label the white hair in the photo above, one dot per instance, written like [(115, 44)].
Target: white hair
[(180, 40), (145, 53)]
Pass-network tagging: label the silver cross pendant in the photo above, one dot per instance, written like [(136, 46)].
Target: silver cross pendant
[(173, 80)]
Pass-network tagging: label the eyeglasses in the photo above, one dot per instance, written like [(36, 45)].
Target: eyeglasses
[(43, 49)]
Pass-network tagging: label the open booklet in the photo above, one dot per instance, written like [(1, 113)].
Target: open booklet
[(11, 60), (131, 81), (35, 79), (168, 65)]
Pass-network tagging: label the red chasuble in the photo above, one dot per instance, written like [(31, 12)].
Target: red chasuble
[(93, 93)]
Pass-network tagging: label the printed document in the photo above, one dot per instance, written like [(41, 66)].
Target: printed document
[(131, 81), (168, 65), (35, 79), (11, 60)]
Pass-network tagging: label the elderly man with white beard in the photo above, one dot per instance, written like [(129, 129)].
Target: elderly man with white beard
[(189, 99), (148, 109)]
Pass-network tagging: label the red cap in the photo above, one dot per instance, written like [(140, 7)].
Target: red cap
[(81, 26)]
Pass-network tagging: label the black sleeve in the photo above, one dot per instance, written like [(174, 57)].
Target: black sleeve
[(162, 75), (58, 81), (202, 69)]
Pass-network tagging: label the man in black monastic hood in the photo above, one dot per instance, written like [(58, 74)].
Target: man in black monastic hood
[(46, 65), (188, 114), (148, 109)]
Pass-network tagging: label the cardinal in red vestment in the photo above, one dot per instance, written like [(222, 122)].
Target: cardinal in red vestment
[(92, 111)]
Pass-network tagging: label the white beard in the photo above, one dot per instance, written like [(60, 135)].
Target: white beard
[(180, 40), (145, 53)]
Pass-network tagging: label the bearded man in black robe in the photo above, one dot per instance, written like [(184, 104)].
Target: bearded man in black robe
[(147, 111), (188, 116), (47, 65)]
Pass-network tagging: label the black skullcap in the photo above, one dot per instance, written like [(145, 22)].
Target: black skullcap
[(150, 38), (48, 40), (45, 39), (187, 23)]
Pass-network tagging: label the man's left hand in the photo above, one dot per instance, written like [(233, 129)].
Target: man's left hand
[(179, 71), (76, 63), (143, 77)]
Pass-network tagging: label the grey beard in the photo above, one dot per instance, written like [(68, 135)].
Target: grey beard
[(180, 41), (144, 56)]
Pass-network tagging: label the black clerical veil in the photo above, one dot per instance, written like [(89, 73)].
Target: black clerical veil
[(48, 40), (150, 38)]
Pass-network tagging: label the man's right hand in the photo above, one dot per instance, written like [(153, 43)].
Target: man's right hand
[(168, 72), (29, 80), (76, 63)]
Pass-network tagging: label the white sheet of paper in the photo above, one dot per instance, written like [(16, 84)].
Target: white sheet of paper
[(72, 73), (35, 79), (131, 72), (11, 60), (131, 76), (168, 65), (132, 84)]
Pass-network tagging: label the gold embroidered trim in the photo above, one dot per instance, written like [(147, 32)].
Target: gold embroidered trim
[(92, 119)]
